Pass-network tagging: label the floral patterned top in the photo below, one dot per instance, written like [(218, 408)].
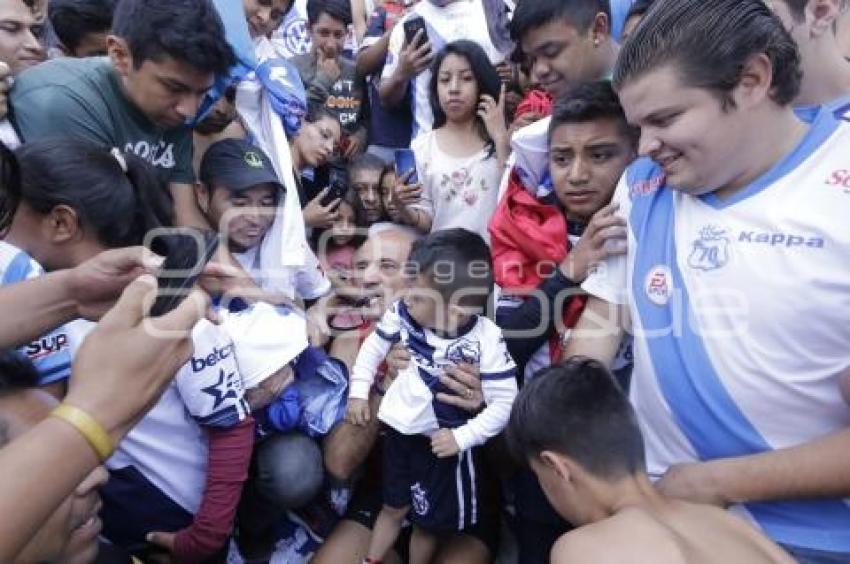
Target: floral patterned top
[(457, 192)]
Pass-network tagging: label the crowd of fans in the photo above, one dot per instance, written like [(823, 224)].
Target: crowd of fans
[(496, 280)]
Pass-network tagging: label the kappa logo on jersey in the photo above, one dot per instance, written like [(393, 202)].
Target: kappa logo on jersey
[(46, 346), (711, 250), (840, 178), (464, 351), (780, 239), (420, 502), (659, 285), (218, 354), (227, 387)]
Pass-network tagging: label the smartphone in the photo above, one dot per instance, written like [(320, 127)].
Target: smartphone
[(189, 251), (404, 163), (337, 187), (412, 26)]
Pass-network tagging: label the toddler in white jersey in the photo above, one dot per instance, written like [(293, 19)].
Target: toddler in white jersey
[(429, 446)]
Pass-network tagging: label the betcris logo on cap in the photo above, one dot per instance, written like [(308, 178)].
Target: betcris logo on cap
[(212, 359)]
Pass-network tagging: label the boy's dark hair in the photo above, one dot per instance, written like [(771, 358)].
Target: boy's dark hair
[(591, 101), (709, 43), (366, 161), (486, 78), (17, 374), (577, 409), (317, 112), (531, 14), (186, 30), (72, 20), (639, 8), (458, 264), (336, 9)]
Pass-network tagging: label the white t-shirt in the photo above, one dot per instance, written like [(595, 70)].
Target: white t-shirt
[(308, 282), (409, 405), (463, 19), (457, 192), (740, 310)]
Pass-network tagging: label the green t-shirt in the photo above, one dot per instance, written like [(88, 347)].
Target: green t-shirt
[(84, 98)]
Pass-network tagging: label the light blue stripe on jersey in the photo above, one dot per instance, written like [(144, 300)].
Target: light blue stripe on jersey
[(20, 268), (821, 129), (53, 366), (700, 404), (840, 108)]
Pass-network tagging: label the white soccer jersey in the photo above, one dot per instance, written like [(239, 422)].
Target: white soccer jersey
[(741, 313), (409, 405), (51, 353), (169, 446)]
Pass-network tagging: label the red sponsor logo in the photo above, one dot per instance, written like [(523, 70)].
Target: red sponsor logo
[(840, 178)]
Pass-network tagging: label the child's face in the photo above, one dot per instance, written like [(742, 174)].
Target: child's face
[(388, 199), (586, 161), (457, 89), (344, 229), (244, 216), (429, 309)]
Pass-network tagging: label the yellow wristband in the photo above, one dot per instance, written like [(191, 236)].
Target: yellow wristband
[(93, 432)]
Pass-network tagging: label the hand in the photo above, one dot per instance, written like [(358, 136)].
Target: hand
[(355, 145), (95, 284), (5, 87), (318, 328), (357, 412), (397, 359), (492, 113), (415, 58), (506, 72), (443, 444), (126, 362), (464, 380), (695, 481), (604, 236), (317, 215), (524, 120), (407, 194), (328, 66), (164, 541)]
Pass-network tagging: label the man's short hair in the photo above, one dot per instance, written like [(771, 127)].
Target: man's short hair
[(458, 264), (591, 101), (797, 8), (365, 162), (577, 409), (709, 43), (531, 14), (336, 9), (190, 31), (17, 374), (72, 20)]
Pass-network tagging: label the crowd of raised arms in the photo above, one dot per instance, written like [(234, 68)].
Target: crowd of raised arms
[(424, 281)]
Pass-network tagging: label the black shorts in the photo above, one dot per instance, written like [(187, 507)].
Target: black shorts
[(441, 492)]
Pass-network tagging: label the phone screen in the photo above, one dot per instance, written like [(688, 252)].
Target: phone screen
[(405, 161), (189, 251)]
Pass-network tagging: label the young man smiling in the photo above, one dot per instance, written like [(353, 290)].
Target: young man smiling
[(737, 190), (566, 41), (162, 59)]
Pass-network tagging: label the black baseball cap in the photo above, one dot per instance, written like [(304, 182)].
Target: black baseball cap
[(237, 165)]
